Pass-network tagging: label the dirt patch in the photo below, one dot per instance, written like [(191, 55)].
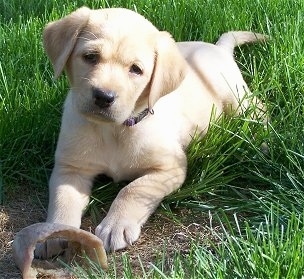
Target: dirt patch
[(162, 238), (160, 232), (18, 213)]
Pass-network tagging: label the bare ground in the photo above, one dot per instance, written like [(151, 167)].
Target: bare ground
[(159, 232)]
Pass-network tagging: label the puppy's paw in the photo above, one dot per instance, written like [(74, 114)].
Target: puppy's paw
[(50, 248), (117, 234)]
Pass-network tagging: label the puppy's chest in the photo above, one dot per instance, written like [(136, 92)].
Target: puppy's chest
[(121, 157)]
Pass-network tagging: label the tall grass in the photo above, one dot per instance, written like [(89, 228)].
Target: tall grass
[(229, 174)]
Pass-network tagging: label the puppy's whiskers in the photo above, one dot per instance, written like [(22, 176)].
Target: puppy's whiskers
[(89, 37), (84, 38), (87, 79)]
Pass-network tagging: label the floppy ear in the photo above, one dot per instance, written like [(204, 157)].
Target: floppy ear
[(59, 37), (169, 68)]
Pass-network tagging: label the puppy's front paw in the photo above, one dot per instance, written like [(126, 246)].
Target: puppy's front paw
[(117, 234), (50, 248)]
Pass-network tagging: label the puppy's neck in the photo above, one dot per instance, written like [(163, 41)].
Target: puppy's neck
[(133, 120)]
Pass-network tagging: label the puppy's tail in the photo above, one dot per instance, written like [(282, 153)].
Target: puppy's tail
[(232, 39)]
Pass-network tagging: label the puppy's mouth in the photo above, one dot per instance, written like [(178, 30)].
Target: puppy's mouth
[(100, 115), (108, 116), (133, 120)]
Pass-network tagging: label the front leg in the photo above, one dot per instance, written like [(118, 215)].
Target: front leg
[(69, 193), (135, 203)]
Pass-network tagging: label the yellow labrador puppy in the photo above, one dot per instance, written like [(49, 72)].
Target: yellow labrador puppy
[(136, 99)]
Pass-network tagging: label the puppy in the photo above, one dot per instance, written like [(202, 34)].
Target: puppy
[(136, 99)]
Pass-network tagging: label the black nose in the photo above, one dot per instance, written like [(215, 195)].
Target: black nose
[(103, 98)]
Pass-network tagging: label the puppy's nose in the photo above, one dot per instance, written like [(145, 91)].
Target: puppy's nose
[(103, 98)]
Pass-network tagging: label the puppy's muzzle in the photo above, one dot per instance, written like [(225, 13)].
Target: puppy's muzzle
[(103, 98)]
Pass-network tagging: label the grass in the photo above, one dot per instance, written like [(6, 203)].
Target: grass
[(258, 198)]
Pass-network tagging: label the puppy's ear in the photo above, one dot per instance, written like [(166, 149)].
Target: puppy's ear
[(59, 37), (169, 68)]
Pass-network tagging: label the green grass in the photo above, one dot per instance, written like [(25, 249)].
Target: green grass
[(228, 173)]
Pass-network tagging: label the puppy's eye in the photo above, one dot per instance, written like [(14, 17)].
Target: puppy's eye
[(135, 69), (91, 58)]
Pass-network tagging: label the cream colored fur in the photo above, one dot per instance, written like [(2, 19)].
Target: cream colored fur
[(181, 84)]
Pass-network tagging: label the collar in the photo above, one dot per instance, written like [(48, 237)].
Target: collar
[(131, 121)]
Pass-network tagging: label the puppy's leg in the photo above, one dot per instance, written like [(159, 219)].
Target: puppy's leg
[(135, 203), (68, 197)]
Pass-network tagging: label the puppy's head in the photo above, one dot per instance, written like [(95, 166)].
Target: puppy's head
[(116, 61)]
